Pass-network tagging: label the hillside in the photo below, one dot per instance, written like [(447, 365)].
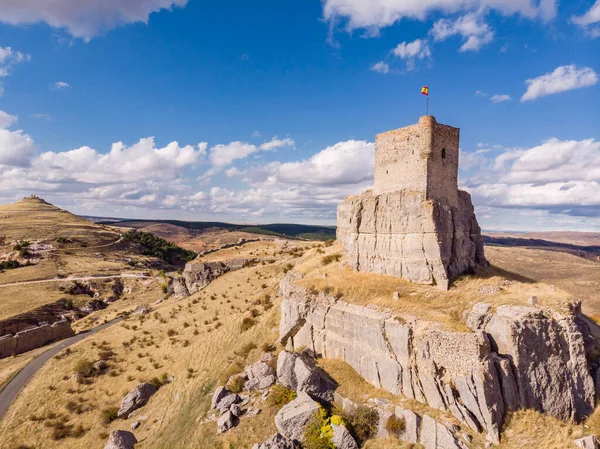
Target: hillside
[(202, 339)]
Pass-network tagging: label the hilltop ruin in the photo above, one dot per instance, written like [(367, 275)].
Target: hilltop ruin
[(414, 223)]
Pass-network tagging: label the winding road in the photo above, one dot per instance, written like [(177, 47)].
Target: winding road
[(86, 278), (10, 392)]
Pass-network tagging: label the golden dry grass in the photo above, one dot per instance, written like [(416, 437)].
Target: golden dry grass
[(422, 301), (207, 337)]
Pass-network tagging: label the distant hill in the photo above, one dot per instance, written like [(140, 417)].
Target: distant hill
[(283, 230), (551, 241)]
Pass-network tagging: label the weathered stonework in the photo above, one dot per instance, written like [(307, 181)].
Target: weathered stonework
[(415, 223), (517, 357), (34, 337)]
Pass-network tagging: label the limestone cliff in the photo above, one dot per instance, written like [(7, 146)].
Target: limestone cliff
[(403, 234), (517, 357)]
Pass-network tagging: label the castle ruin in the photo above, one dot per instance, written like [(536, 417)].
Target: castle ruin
[(414, 223)]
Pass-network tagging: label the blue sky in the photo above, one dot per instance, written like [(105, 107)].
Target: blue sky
[(268, 111)]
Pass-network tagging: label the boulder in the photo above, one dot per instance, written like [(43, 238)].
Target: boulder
[(276, 441), (121, 439), (300, 373), (260, 376), (136, 398), (342, 438), (219, 394), (412, 425), (294, 416), (225, 403), (587, 443), (236, 410), (226, 422)]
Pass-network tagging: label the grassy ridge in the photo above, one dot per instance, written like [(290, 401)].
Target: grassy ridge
[(157, 247), (284, 230)]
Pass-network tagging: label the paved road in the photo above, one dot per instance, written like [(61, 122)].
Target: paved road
[(10, 392), (86, 278)]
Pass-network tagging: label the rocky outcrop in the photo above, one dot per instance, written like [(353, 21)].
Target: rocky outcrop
[(300, 373), (521, 358), (544, 352), (34, 337), (276, 441), (198, 275), (342, 439), (403, 234), (136, 398), (260, 376), (587, 443), (294, 416), (121, 439)]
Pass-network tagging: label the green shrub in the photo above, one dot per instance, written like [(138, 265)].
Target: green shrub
[(236, 385), (84, 368), (109, 414), (247, 323), (395, 425), (318, 434), (363, 423), (281, 395), (336, 257), (160, 248), (9, 264)]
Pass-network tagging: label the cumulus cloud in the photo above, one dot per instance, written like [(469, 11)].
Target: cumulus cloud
[(381, 67), (412, 51), (61, 85), (590, 20), (83, 18), (500, 98), (471, 27), (7, 120), (558, 176), (562, 79), (8, 59), (376, 14)]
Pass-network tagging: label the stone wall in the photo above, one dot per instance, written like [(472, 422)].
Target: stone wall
[(33, 338), (402, 234), (411, 158), (442, 164), (399, 163), (517, 357)]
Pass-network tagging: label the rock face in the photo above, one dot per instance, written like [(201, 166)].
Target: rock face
[(403, 234), (198, 275), (260, 376), (121, 439), (276, 441), (521, 358), (342, 438), (300, 373), (136, 398), (587, 443), (293, 417)]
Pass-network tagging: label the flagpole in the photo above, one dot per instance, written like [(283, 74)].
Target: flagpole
[(427, 104)]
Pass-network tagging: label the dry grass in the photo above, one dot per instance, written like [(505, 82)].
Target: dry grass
[(421, 301), (144, 350)]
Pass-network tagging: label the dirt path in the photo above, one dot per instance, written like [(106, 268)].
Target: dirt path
[(85, 278), (10, 392)]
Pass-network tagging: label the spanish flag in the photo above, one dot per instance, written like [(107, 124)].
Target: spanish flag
[(425, 90)]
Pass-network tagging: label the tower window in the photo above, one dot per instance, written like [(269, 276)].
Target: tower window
[(443, 153)]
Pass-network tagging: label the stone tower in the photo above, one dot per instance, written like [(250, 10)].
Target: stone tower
[(415, 223)]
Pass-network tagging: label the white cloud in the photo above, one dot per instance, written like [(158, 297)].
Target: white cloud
[(223, 155), (500, 98), (562, 79), (16, 148), (8, 59), (376, 14), (590, 17), (558, 177), (61, 85), (82, 18), (7, 120), (471, 27), (412, 51), (381, 67)]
